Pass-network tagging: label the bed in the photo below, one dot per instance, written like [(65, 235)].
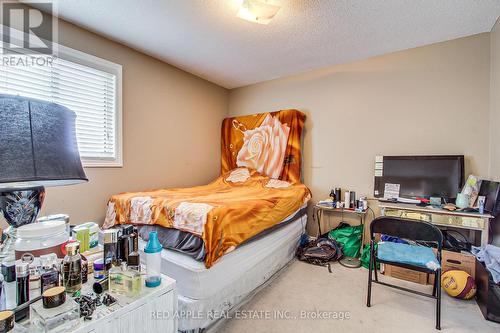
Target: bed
[(206, 295), (225, 239)]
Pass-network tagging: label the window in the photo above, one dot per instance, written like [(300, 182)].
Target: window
[(87, 85)]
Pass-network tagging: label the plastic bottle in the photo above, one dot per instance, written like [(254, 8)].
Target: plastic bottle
[(153, 260)]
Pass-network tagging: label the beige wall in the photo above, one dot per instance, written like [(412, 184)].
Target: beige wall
[(428, 100), (171, 130), (495, 102)]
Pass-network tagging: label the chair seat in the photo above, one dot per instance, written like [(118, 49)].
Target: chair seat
[(408, 256)]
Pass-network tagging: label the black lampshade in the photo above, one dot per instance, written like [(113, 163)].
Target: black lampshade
[(37, 144)]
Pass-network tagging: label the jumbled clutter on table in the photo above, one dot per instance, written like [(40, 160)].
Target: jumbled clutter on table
[(64, 275)]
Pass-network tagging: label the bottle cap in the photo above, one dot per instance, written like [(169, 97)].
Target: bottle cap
[(47, 261), (53, 297), (6, 320), (126, 229), (73, 248), (109, 236), (22, 268), (99, 265), (153, 245)]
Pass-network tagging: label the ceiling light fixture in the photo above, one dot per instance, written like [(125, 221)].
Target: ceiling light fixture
[(258, 11)]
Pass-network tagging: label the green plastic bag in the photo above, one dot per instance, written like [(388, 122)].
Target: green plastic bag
[(365, 256), (350, 239)]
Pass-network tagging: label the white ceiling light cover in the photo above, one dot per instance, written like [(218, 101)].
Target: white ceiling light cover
[(258, 11)]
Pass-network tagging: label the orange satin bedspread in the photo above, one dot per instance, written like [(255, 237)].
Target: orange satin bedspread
[(240, 210)]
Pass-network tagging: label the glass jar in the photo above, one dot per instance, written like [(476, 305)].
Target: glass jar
[(41, 238)]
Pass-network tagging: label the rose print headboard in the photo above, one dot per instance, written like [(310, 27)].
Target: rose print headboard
[(268, 142)]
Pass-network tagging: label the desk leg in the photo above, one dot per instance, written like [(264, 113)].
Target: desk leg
[(362, 222), (485, 233), (318, 214)]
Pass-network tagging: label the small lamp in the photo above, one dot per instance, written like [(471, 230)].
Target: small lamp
[(38, 148)]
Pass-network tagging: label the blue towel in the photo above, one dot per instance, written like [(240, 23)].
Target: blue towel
[(415, 255), (490, 255)]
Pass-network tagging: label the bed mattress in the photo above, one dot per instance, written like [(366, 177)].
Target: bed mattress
[(204, 292)]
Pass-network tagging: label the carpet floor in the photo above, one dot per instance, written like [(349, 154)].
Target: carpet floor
[(306, 298)]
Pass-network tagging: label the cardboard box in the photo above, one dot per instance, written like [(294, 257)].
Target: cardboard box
[(450, 260), (455, 260), (405, 274), (461, 261)]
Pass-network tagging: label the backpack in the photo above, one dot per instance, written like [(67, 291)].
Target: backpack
[(320, 252)]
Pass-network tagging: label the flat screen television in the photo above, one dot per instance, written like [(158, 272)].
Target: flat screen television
[(420, 176)]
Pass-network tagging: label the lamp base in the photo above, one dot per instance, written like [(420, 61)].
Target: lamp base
[(19, 207)]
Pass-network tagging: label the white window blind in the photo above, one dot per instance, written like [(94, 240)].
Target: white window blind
[(89, 92)]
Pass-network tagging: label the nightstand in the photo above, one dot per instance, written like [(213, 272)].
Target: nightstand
[(319, 210)]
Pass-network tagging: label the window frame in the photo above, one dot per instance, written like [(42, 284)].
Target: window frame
[(88, 60)]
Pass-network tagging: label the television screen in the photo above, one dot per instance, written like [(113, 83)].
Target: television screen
[(421, 176)]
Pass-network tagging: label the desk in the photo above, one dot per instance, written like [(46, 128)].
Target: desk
[(319, 209), (440, 217)]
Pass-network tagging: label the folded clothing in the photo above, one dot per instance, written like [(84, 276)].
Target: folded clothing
[(490, 255), (415, 255)]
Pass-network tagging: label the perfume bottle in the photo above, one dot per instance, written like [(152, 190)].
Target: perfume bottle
[(85, 269), (135, 239), (22, 288), (124, 280), (72, 269), (125, 242), (22, 283), (116, 280), (50, 275), (35, 269), (133, 281), (109, 239)]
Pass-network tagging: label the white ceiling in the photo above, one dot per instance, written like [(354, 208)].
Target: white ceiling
[(204, 37)]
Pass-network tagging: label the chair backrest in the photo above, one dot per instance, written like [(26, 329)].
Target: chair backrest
[(405, 228)]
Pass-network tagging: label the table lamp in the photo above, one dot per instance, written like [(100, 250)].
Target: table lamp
[(38, 148)]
